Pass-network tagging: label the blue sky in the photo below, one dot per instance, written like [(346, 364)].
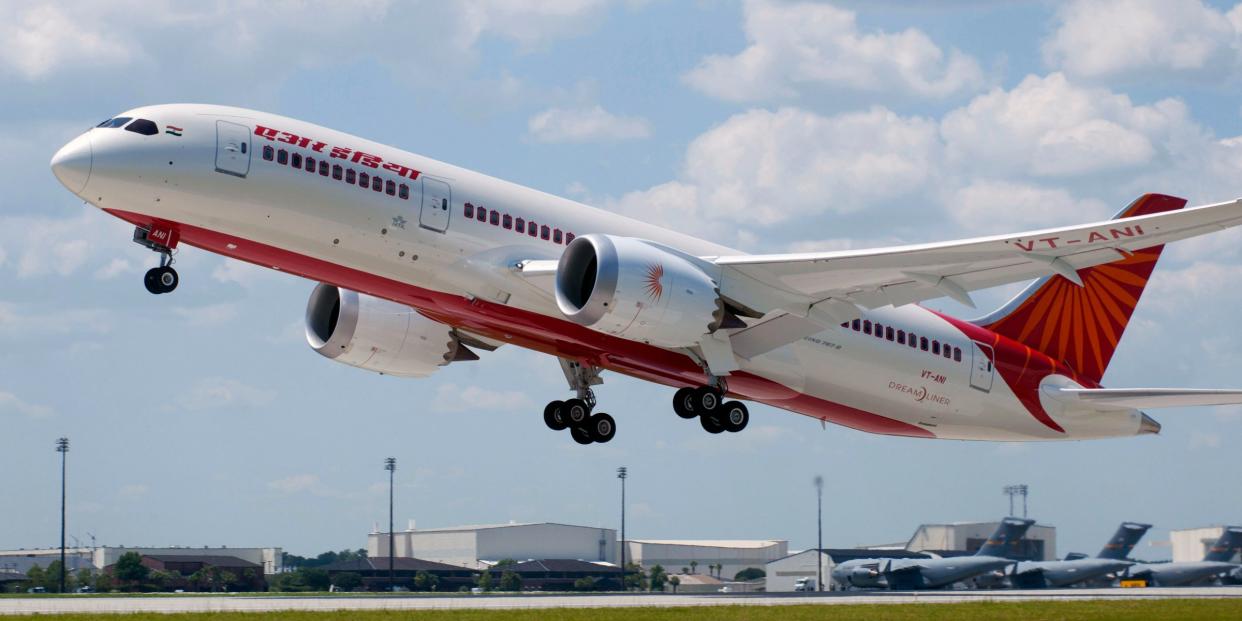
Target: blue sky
[(202, 418)]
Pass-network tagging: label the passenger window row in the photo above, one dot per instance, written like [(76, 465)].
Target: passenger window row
[(337, 172), (901, 337), (521, 226)]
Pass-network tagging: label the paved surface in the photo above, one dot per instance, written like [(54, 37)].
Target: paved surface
[(242, 603)]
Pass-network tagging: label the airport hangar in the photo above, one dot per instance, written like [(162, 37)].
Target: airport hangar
[(96, 558), (928, 541)]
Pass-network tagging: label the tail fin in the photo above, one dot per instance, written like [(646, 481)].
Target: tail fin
[(1227, 546), (1007, 534), (1081, 326), (1122, 543)]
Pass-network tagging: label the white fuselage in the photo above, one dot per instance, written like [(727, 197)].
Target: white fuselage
[(370, 241)]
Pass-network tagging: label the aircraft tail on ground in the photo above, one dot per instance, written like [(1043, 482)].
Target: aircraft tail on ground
[(1081, 325), (1008, 533), (1227, 546), (1122, 543)]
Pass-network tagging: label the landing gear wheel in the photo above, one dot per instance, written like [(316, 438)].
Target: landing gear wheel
[(576, 412), (553, 417), (683, 403), (734, 415), (161, 280), (711, 423), (581, 435), (706, 399), (602, 427)]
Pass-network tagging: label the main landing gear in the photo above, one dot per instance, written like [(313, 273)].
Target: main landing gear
[(576, 414), (162, 279), (714, 414)]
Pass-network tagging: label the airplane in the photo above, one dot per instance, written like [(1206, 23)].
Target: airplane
[(911, 574), (422, 264), (1216, 563), (1070, 571)]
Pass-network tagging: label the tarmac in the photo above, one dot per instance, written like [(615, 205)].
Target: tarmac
[(251, 603)]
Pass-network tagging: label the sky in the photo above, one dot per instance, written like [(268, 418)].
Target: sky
[(202, 417)]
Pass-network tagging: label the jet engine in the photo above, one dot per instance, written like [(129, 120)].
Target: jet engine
[(377, 335), (634, 289)]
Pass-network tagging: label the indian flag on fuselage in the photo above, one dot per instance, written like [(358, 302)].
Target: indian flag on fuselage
[(172, 129)]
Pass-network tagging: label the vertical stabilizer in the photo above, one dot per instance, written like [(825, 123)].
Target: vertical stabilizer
[(1122, 543), (1227, 546), (1001, 542)]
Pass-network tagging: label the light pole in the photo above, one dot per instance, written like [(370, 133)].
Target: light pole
[(62, 447), (1017, 490), (622, 473), (390, 465), (819, 529)]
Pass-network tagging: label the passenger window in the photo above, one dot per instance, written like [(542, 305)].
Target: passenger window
[(323, 168), (495, 218), (901, 337), (936, 347), (268, 152), (545, 232), (149, 128), (888, 332), (482, 215), (364, 180), (879, 331), (857, 325), (532, 229), (310, 164), (557, 236), (520, 225), (568, 238), (338, 172), (507, 221), (282, 157), (913, 341), (948, 353), (957, 354), (351, 177), (923, 343), (390, 187), (867, 326), (469, 210), (377, 184), (403, 192), (296, 160)]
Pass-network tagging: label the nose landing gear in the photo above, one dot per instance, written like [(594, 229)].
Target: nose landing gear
[(162, 279)]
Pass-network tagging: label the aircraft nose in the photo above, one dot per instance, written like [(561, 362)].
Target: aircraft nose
[(72, 163)]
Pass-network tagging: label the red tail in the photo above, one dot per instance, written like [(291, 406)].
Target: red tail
[(1081, 326)]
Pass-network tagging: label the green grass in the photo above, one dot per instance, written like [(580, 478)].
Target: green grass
[(1057, 610)]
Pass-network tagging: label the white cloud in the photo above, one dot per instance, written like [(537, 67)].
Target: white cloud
[(295, 483), (209, 315), (25, 322), (1002, 207), (40, 38), (593, 124), (11, 403), (114, 268), (39, 246), (1204, 439), (215, 392), (1140, 38), (133, 490), (453, 398), (242, 273), (803, 48)]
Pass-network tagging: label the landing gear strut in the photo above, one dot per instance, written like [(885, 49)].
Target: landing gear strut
[(162, 279), (576, 414), (714, 414)]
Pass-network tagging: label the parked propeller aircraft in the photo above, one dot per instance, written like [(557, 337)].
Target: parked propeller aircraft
[(1111, 560), (915, 573), (422, 264), (1216, 563)]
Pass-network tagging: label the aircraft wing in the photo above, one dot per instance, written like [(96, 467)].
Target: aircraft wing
[(1140, 398), (831, 285)]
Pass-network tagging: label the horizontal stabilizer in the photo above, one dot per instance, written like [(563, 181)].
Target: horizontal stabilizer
[(1139, 398)]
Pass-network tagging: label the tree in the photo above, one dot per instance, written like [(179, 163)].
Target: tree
[(685, 570), (656, 578), (130, 571), (104, 582), (484, 580), (160, 580), (510, 581), (37, 576), (229, 581), (424, 581), (585, 583), (694, 565), (674, 580), (750, 573), (635, 577), (505, 562), (316, 579), (347, 580)]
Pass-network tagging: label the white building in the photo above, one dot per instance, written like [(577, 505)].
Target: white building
[(1191, 544), (698, 554), (1039, 543), (100, 557), (479, 546)]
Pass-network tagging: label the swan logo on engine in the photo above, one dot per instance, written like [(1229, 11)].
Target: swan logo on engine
[(655, 290)]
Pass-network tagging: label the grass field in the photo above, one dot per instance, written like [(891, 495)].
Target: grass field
[(1057, 610)]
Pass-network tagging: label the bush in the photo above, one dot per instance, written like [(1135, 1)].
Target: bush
[(750, 573)]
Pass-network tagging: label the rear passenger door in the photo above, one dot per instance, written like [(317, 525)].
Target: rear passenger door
[(437, 197), (232, 148)]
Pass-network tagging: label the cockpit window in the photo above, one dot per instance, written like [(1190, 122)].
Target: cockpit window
[(144, 127), (117, 122)]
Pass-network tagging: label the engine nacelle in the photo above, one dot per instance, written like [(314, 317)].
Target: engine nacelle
[(633, 289), (377, 335)]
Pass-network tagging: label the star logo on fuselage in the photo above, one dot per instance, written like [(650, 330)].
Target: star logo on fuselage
[(399, 222)]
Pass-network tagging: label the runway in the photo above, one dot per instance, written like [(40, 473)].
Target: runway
[(250, 603)]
